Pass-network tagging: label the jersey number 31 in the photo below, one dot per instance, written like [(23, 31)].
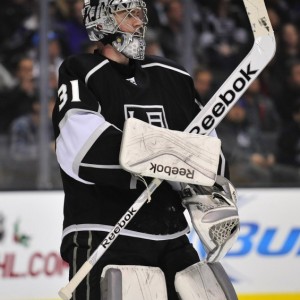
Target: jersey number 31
[(63, 95)]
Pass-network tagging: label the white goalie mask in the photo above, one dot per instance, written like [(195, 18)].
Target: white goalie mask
[(103, 19)]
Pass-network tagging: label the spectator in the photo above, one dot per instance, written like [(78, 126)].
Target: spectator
[(218, 22), (203, 80), (74, 30), (18, 23), (286, 172), (282, 9), (24, 133), (18, 100), (24, 148), (156, 13), (276, 19), (58, 11), (152, 43), (250, 163), (6, 79), (289, 140), (172, 36), (262, 114), (289, 92), (288, 50), (261, 111), (223, 41), (54, 52)]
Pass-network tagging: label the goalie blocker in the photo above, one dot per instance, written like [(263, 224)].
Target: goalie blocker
[(152, 151)]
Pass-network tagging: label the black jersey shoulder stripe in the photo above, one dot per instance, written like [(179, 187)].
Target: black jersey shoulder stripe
[(95, 69), (166, 67)]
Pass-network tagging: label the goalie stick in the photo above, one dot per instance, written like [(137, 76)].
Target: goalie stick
[(206, 121)]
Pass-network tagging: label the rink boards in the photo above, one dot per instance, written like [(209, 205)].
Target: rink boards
[(263, 264)]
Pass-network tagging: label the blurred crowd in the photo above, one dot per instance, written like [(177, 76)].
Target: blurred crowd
[(261, 134)]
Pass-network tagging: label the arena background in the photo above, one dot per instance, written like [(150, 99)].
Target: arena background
[(265, 261)]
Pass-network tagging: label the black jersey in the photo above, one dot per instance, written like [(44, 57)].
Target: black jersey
[(95, 97)]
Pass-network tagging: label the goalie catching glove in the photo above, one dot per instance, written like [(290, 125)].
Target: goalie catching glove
[(214, 216)]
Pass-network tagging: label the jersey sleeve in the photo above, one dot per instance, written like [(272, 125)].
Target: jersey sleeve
[(87, 146)]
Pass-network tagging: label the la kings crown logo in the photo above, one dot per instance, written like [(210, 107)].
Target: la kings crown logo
[(224, 100)]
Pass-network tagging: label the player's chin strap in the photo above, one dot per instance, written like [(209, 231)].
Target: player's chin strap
[(214, 216)]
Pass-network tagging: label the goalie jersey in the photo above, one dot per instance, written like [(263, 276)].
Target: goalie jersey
[(95, 97)]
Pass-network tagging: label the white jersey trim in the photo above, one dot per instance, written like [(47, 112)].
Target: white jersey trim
[(166, 67), (73, 143), (101, 166), (95, 69), (126, 232)]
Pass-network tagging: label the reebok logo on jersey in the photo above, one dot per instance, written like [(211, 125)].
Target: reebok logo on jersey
[(132, 80), (155, 168)]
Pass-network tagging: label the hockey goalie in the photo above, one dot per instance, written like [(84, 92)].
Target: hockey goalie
[(108, 150)]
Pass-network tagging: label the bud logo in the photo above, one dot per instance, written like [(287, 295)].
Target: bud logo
[(253, 238), (224, 100), (172, 170), (265, 245)]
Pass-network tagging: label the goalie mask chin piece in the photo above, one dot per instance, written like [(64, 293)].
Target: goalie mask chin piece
[(99, 17), (214, 216)]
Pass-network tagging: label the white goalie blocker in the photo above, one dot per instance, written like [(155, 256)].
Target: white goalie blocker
[(152, 151)]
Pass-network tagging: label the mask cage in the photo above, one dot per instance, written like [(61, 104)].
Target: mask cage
[(99, 17)]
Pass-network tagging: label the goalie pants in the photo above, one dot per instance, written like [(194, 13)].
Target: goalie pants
[(171, 256)]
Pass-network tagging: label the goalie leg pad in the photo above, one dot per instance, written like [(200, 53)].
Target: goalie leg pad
[(203, 281), (128, 282)]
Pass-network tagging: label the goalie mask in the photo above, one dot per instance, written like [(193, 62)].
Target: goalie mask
[(104, 19)]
